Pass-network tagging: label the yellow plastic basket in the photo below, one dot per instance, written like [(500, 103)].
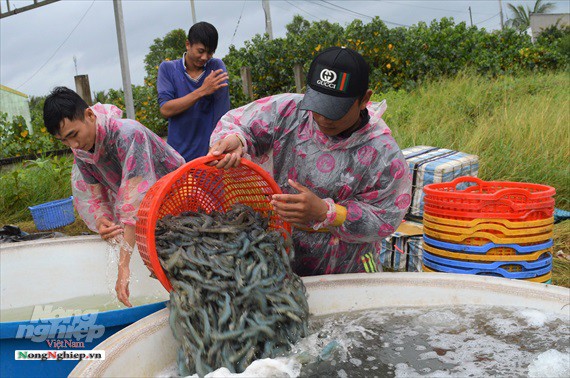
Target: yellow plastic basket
[(475, 222), (493, 228), (482, 238)]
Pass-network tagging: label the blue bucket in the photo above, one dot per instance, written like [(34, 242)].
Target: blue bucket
[(53, 214)]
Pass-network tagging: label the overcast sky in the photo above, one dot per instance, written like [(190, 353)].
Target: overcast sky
[(37, 47)]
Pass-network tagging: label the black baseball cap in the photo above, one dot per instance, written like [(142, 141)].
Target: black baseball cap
[(337, 77)]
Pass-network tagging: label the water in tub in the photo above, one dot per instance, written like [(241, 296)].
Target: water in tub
[(86, 304), (460, 341)]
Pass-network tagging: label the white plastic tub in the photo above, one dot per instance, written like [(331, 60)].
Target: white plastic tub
[(147, 347), (63, 279)]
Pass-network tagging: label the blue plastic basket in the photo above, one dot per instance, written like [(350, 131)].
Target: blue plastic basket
[(53, 214), (521, 249), (524, 265), (489, 272)]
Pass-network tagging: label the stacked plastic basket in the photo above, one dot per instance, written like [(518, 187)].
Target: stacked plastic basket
[(493, 228)]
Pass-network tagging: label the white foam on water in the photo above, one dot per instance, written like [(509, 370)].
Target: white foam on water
[(475, 353), (440, 319), (505, 327), (342, 331), (265, 368), (551, 363), (405, 371), (534, 318)]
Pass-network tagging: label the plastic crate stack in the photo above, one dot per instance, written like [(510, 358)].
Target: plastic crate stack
[(491, 228)]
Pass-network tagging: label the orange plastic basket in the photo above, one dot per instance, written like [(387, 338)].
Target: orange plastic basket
[(528, 216), (495, 206), (516, 192), (197, 186), (492, 206)]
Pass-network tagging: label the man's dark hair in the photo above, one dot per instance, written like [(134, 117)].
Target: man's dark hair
[(204, 33), (62, 103)]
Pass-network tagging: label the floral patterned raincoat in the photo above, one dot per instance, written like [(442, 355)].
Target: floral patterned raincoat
[(366, 173), (126, 161)]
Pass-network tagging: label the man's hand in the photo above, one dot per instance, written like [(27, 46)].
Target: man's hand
[(231, 146), (107, 229), (214, 81), (122, 285), (300, 208)]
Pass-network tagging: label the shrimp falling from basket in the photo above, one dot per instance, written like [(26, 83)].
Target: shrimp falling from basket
[(235, 297), (210, 236)]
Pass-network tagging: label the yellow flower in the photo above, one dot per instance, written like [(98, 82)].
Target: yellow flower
[(388, 66), (390, 46), (24, 133), (318, 47), (43, 129), (167, 59), (145, 103)]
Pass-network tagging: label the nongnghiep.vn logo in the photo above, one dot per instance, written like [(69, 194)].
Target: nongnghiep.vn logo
[(58, 355), (78, 325)]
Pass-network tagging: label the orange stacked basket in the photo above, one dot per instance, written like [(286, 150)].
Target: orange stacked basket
[(197, 186), (493, 228)]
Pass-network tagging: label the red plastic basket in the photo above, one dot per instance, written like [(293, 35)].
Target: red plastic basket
[(516, 192), (525, 216), (492, 206), (197, 186)]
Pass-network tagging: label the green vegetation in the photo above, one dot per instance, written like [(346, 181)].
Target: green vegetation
[(400, 59), (561, 266), (517, 126), (15, 138), (32, 183)]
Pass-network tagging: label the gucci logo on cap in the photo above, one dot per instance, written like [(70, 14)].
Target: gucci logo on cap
[(328, 76)]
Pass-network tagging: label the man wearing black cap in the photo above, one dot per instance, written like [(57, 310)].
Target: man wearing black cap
[(345, 181)]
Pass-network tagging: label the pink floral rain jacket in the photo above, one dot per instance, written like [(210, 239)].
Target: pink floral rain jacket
[(127, 160), (366, 173)]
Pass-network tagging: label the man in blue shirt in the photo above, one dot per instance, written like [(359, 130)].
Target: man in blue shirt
[(193, 92)]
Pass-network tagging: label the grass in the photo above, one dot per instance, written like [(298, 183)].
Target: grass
[(561, 265), (519, 128), (32, 183)]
